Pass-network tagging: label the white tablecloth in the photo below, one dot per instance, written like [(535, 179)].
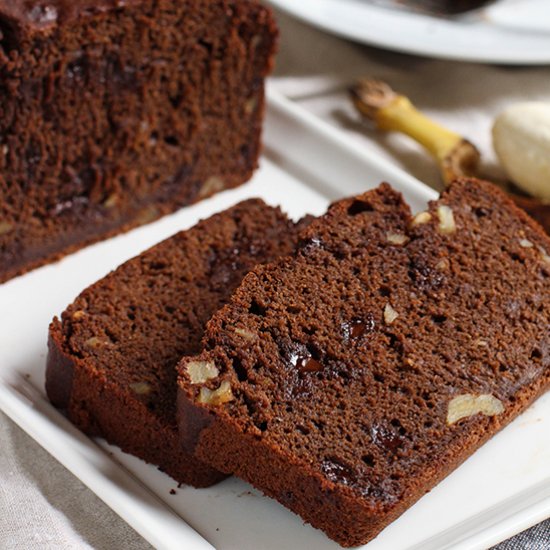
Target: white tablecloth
[(42, 506)]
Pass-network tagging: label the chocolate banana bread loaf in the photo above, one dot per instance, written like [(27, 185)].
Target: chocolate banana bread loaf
[(347, 380), (116, 113), (113, 355)]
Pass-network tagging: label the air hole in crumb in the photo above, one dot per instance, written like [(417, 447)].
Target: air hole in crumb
[(8, 37), (379, 377), (206, 45), (368, 460), (358, 207), (262, 426), (239, 369), (171, 140), (256, 309), (384, 291), (395, 343), (502, 368), (176, 101), (438, 319), (399, 427), (319, 425), (313, 351), (339, 254), (112, 336), (536, 353), (302, 429), (481, 212)]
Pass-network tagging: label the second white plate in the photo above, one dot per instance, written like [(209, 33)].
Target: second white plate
[(508, 31)]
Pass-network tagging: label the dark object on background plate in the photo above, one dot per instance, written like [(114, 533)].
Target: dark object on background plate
[(349, 380), (112, 357), (436, 7), (114, 116)]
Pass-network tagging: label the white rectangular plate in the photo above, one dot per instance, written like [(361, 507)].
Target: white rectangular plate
[(502, 489)]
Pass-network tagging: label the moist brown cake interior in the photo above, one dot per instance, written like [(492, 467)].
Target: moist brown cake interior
[(114, 116), (113, 355), (356, 347)]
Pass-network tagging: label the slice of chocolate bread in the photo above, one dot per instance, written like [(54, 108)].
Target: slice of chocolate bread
[(116, 113), (348, 380), (112, 357)]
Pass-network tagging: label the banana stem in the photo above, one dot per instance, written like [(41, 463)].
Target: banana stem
[(390, 111), (456, 156)]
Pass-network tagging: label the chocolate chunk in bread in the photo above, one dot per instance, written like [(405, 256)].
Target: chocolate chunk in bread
[(116, 113), (112, 357), (355, 375)]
